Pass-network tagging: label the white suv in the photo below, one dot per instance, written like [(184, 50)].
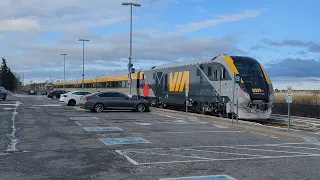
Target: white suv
[(72, 98)]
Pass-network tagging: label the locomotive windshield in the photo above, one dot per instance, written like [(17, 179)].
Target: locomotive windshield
[(252, 75), (251, 69)]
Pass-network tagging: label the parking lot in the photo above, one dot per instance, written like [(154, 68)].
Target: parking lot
[(43, 139)]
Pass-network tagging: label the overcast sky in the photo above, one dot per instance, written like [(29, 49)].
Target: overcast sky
[(280, 34)]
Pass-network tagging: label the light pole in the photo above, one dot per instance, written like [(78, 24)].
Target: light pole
[(130, 56), (83, 40), (64, 70)]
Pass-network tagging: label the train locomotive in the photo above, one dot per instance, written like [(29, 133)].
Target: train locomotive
[(210, 84)]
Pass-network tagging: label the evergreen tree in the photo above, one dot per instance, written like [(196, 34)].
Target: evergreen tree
[(7, 79)]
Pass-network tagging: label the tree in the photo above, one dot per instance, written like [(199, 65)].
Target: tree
[(7, 79)]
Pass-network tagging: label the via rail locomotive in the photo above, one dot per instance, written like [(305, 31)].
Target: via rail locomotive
[(210, 85)]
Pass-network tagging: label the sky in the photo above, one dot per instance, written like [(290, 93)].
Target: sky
[(282, 35)]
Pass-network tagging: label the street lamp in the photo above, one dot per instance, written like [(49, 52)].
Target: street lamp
[(130, 56), (83, 40), (64, 70)]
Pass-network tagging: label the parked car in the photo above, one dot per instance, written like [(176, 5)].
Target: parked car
[(97, 102), (3, 93), (73, 98), (32, 92), (56, 94)]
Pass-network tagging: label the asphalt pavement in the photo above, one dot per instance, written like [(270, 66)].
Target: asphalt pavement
[(43, 139)]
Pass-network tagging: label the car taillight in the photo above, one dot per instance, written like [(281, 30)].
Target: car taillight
[(243, 89), (86, 98)]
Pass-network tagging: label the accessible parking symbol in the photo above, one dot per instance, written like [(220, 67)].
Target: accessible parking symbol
[(84, 118), (128, 140), (103, 129), (212, 177)]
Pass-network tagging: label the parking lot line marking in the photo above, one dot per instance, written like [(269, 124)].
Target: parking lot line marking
[(240, 154), (300, 147), (209, 177), (103, 129), (127, 157), (228, 146), (177, 132), (47, 105), (127, 140), (269, 150), (8, 108), (13, 140), (233, 159), (77, 123), (167, 116), (219, 126), (144, 124), (7, 104), (164, 154)]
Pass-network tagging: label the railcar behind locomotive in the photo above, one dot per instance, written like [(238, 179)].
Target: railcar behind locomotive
[(210, 84)]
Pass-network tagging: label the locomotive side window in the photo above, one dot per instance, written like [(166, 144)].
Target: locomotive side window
[(223, 73), (209, 71), (165, 82), (215, 75), (154, 76), (198, 72)]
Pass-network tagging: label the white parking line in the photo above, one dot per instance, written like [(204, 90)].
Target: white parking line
[(48, 105), (127, 157), (177, 132), (233, 159), (172, 152), (77, 123), (13, 140)]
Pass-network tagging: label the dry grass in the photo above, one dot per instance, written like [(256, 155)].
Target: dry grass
[(299, 98)]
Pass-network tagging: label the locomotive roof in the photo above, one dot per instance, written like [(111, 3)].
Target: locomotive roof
[(183, 63), (199, 61)]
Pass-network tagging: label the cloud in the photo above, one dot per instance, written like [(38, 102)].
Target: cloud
[(20, 24), (312, 46), (194, 26), (302, 53), (36, 32), (257, 47), (293, 68)]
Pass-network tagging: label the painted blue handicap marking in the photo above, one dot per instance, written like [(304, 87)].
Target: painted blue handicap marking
[(103, 129), (128, 140), (213, 177), (83, 118)]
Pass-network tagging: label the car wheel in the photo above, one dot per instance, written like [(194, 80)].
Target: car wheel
[(71, 102), (98, 107), (4, 98), (141, 108)]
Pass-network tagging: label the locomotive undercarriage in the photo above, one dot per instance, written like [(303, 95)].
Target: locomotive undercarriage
[(218, 108), (200, 107)]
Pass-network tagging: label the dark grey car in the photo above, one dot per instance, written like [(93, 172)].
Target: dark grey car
[(100, 101), (3, 93)]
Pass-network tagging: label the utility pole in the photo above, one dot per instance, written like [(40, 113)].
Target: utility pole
[(64, 70), (83, 40), (130, 55)]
